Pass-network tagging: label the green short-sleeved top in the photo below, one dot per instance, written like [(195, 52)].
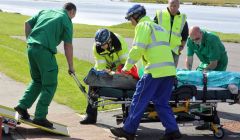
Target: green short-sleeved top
[(49, 28), (210, 49)]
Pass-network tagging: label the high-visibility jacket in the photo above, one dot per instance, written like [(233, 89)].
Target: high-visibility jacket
[(164, 19), (151, 44), (108, 60)]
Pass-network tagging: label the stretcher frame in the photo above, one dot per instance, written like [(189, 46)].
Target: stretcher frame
[(178, 107)]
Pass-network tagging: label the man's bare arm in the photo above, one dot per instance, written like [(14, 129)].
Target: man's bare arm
[(212, 65), (28, 29), (189, 62), (68, 48)]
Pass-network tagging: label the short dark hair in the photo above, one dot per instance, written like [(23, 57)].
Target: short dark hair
[(69, 6)]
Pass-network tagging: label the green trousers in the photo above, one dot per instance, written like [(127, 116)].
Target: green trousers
[(44, 71)]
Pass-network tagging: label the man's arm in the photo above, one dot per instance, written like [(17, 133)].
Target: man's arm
[(182, 46), (184, 35), (28, 29), (189, 62), (68, 48), (212, 65)]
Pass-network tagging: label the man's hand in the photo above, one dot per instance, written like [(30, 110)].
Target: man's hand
[(180, 49), (125, 73), (107, 70), (71, 71), (212, 65), (205, 71)]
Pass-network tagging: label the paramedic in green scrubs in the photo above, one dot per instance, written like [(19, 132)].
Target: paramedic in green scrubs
[(44, 32), (209, 49)]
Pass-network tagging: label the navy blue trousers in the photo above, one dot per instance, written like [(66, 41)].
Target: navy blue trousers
[(157, 90)]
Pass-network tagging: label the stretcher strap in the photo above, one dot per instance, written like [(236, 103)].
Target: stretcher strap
[(175, 83), (204, 86)]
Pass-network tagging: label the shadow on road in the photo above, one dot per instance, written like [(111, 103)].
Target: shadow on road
[(146, 133), (35, 133)]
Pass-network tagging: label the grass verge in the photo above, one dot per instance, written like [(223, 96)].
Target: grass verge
[(232, 3)]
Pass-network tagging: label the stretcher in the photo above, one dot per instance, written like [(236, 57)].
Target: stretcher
[(190, 103), (184, 90)]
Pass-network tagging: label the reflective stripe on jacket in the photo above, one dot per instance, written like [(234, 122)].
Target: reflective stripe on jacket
[(111, 61), (151, 45), (164, 19)]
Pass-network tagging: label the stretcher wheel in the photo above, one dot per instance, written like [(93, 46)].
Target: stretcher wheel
[(119, 119), (219, 134)]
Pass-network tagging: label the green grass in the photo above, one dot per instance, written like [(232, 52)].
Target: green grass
[(13, 24), (235, 38), (150, 1), (84, 30), (14, 62), (196, 2)]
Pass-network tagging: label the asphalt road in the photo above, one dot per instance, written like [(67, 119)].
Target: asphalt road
[(6, 137), (229, 114)]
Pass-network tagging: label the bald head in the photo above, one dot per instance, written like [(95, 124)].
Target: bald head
[(173, 6), (193, 30), (173, 1), (195, 34)]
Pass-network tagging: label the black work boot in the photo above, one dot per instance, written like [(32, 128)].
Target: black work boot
[(43, 122), (91, 117), (23, 112), (89, 120), (172, 136), (119, 132)]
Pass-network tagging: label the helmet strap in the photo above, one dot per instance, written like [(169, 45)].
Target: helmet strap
[(109, 45), (137, 17)]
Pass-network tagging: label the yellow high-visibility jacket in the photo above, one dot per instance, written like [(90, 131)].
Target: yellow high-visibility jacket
[(164, 18), (108, 60), (151, 45)]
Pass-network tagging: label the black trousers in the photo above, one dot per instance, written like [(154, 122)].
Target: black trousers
[(92, 111)]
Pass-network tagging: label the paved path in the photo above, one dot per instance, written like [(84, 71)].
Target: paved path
[(11, 91)]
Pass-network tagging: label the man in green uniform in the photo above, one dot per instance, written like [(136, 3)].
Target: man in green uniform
[(209, 49), (44, 32), (211, 53)]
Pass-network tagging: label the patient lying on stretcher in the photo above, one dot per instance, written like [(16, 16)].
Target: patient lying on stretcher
[(214, 79), (220, 85), (112, 79)]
